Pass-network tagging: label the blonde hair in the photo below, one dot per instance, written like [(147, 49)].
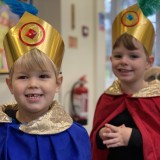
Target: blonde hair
[(34, 59)]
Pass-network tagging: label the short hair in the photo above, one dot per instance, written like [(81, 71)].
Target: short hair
[(127, 40), (33, 59)]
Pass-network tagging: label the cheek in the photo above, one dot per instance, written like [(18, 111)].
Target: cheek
[(145, 65), (114, 63), (50, 87), (18, 88)]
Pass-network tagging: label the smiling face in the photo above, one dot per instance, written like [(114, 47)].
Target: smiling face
[(34, 86), (130, 61)]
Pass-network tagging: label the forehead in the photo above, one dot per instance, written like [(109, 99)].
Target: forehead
[(131, 48), (32, 68), (137, 43), (34, 63)]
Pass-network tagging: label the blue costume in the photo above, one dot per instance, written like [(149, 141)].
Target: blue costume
[(53, 136)]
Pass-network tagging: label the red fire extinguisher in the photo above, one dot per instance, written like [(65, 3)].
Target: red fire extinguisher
[(79, 101)]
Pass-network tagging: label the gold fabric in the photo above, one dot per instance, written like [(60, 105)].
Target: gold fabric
[(152, 90), (3, 117), (56, 120), (33, 32), (114, 89), (133, 22)]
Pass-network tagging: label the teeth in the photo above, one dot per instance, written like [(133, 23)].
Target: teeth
[(33, 95), (123, 70)]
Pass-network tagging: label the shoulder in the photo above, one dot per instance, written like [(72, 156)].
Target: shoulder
[(152, 90), (78, 131), (78, 128), (114, 89)]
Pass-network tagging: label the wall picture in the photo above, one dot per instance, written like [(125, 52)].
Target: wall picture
[(7, 20)]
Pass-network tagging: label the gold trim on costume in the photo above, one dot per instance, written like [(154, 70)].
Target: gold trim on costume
[(33, 32), (114, 89), (152, 90), (3, 117), (54, 121)]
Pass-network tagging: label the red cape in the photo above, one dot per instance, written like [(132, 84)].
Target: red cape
[(145, 113)]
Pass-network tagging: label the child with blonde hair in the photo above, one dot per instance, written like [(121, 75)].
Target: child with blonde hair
[(37, 126)]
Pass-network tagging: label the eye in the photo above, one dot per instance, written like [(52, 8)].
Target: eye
[(117, 56), (44, 76), (134, 56), (22, 77)]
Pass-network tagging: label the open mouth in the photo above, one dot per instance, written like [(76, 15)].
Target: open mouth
[(125, 70), (33, 95)]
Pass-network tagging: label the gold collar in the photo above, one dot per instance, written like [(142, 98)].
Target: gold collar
[(152, 90), (54, 121)]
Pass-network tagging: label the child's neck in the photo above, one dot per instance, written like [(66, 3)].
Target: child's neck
[(133, 88), (25, 118)]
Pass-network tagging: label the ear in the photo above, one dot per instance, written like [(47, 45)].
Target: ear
[(150, 61), (9, 84), (111, 58), (59, 82)]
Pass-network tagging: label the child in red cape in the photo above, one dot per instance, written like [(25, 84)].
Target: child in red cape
[(126, 121)]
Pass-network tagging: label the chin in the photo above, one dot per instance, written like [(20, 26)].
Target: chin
[(125, 80)]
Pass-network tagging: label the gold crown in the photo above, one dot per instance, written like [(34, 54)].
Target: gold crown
[(133, 22), (33, 32)]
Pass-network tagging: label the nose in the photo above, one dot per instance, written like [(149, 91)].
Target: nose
[(124, 60), (33, 83)]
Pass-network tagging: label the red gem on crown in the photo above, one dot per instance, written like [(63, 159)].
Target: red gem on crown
[(31, 33)]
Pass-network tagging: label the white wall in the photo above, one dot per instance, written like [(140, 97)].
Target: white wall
[(81, 60), (5, 95), (50, 11), (89, 57)]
